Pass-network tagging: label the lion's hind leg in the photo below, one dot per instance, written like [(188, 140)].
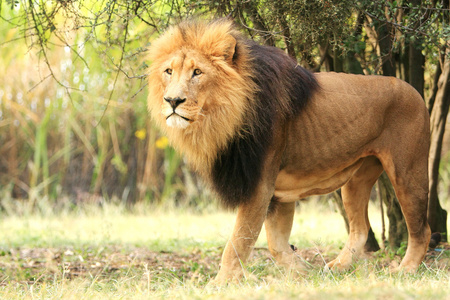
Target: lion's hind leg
[(411, 187), (355, 196)]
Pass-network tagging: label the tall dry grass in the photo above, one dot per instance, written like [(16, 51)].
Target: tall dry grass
[(70, 129)]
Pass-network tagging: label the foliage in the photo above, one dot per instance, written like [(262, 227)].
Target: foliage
[(73, 116)]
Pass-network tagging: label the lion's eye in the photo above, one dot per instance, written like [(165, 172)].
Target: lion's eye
[(168, 71), (197, 72)]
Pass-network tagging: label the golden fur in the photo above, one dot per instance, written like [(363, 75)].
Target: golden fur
[(265, 132)]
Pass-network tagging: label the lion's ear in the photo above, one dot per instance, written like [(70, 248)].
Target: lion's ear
[(231, 48), (225, 48)]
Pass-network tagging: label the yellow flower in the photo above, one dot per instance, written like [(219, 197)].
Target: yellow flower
[(141, 133), (162, 142)]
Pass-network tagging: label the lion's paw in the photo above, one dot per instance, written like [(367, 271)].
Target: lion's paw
[(291, 262), (337, 265), (394, 267), (224, 278)]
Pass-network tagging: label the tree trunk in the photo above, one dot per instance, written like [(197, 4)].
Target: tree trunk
[(404, 63), (416, 67), (384, 32), (337, 197), (325, 58), (434, 90), (397, 225), (338, 60), (351, 64), (437, 217), (416, 58)]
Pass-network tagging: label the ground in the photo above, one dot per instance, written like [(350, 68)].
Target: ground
[(113, 253), (39, 265)]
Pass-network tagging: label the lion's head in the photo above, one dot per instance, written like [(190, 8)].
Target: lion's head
[(198, 80)]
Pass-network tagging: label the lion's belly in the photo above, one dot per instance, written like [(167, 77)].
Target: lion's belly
[(291, 187)]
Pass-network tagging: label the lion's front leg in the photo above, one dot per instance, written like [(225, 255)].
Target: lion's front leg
[(250, 218), (278, 229)]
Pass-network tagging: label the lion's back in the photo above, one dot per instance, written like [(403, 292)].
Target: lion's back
[(366, 91), (350, 111)]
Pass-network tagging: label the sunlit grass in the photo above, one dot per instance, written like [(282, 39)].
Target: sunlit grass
[(320, 288), (316, 223), (157, 227)]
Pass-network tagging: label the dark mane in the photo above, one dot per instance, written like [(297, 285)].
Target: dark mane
[(284, 89)]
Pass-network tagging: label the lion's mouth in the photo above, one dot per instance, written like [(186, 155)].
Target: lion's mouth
[(174, 113), (175, 120)]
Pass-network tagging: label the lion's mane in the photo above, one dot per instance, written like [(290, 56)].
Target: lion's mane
[(257, 86)]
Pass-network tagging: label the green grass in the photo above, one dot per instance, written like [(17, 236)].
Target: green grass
[(110, 252)]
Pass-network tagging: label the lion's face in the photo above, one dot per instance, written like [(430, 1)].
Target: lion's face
[(186, 79)]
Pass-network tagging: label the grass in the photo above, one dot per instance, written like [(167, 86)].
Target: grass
[(110, 252)]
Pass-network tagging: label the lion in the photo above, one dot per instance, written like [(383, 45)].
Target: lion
[(264, 133)]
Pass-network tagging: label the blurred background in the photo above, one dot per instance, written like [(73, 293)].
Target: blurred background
[(74, 126)]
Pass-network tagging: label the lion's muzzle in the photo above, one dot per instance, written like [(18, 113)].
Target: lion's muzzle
[(175, 118), (174, 102)]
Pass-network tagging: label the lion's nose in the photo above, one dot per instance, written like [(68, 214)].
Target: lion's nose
[(174, 102)]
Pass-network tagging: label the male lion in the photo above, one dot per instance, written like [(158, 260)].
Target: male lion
[(265, 132)]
